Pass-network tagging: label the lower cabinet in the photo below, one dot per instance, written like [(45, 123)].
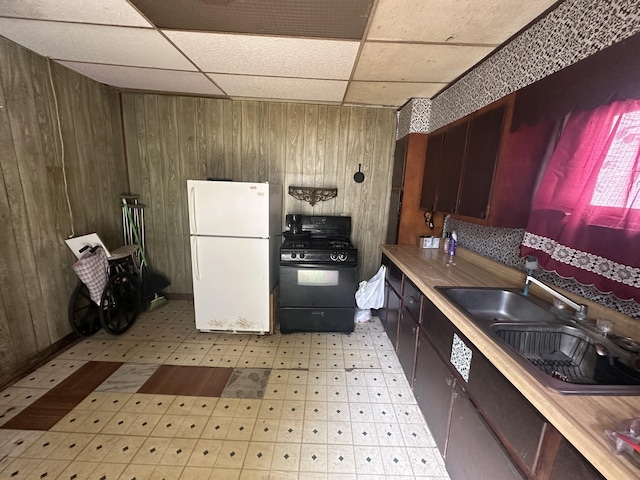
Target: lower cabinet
[(407, 338), (391, 314), (409, 322), (482, 425), (517, 422), (569, 464), (433, 386), (473, 451)]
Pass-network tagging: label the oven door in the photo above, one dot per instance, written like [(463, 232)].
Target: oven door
[(317, 285)]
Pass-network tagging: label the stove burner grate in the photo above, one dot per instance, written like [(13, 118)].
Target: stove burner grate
[(338, 244), (297, 244)]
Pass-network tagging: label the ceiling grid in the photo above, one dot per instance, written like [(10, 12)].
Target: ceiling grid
[(344, 52)]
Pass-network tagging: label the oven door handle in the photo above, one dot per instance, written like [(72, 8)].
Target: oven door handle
[(319, 266)]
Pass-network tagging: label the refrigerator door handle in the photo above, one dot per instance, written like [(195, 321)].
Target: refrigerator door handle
[(192, 210), (195, 259)]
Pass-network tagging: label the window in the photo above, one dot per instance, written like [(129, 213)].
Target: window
[(585, 219), (618, 182)]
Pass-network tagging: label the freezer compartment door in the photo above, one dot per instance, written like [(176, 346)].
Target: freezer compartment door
[(230, 209), (231, 284)]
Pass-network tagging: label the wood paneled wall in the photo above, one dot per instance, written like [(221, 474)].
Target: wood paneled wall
[(36, 277), (171, 139)]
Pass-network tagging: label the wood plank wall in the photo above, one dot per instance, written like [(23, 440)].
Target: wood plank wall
[(36, 277), (171, 139)]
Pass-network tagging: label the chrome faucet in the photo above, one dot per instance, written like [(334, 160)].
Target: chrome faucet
[(581, 310)]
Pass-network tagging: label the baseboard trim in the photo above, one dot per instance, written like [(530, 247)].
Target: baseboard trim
[(41, 358)]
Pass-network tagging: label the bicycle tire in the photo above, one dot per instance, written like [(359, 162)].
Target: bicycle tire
[(120, 304), (84, 316)]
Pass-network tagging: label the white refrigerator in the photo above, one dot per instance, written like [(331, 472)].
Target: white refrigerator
[(236, 232)]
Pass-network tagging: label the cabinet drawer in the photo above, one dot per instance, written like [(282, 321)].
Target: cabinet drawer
[(394, 275), (411, 300), (394, 278)]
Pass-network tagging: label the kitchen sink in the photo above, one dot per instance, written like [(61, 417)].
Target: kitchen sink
[(493, 304), (565, 355), (568, 359)]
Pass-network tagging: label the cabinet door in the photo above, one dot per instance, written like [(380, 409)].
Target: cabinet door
[(392, 314), (407, 339), (432, 388), (431, 171), (483, 143), (472, 450), (438, 328), (451, 167), (395, 204), (397, 180), (571, 465), (517, 421)]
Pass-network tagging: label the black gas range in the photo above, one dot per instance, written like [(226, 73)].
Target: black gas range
[(318, 270)]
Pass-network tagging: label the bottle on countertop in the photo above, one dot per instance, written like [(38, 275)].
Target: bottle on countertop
[(453, 241), (445, 242)]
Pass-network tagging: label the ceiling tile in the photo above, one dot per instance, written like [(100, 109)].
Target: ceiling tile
[(281, 88), (269, 56), (464, 21), (416, 62), (393, 94), (296, 18), (135, 78), (95, 43), (108, 12)]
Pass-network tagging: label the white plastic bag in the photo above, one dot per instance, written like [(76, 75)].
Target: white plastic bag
[(370, 293), (363, 315)]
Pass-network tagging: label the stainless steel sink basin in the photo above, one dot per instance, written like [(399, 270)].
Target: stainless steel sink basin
[(493, 304), (570, 360), (564, 355)]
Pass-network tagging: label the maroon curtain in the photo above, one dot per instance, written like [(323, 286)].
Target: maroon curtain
[(585, 219)]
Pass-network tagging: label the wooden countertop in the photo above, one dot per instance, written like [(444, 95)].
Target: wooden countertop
[(581, 419)]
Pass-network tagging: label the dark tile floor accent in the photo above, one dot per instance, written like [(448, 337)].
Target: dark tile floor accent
[(49, 409), (187, 380), (247, 383)]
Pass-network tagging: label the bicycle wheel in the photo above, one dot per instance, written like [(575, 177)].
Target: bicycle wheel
[(120, 303), (83, 313)]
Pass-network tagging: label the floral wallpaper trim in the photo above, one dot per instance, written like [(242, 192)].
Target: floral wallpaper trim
[(461, 357), (604, 267), (571, 32)]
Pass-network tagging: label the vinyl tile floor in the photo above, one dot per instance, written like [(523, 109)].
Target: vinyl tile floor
[(164, 401)]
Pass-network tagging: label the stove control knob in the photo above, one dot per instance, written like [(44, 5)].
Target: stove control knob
[(293, 255), (334, 257), (342, 257), (301, 255)]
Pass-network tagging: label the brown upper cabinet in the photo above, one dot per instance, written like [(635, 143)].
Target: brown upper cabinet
[(451, 165), (435, 143), (483, 143), (478, 170)]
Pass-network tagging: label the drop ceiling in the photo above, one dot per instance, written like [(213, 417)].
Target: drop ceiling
[(344, 52)]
